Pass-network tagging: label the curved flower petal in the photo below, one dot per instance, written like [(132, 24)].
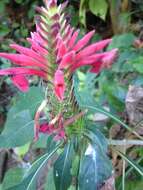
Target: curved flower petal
[(111, 56), (73, 39), (67, 60), (61, 49), (22, 60), (46, 128), (81, 43), (20, 82), (92, 49), (23, 71), (96, 67), (29, 52), (88, 61), (105, 62), (37, 47)]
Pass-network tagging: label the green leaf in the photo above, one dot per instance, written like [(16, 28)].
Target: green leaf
[(95, 168), (122, 41), (4, 30), (82, 12), (18, 129), (86, 101), (97, 138), (22, 150), (134, 185), (2, 6), (62, 168), (122, 64), (50, 180), (99, 8), (30, 100), (1, 187), (137, 64), (42, 141), (84, 88), (19, 1), (115, 94), (12, 177)]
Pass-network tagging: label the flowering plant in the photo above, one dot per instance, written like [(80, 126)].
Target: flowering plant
[(54, 55)]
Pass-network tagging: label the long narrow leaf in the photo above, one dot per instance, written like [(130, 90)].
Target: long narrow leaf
[(45, 158), (131, 162), (103, 111)]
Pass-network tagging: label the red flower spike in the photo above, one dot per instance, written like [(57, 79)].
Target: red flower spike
[(55, 53)]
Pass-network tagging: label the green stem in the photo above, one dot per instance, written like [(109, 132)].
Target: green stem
[(123, 168)]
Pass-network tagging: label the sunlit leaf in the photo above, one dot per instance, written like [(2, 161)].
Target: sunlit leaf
[(99, 8), (95, 168), (82, 12)]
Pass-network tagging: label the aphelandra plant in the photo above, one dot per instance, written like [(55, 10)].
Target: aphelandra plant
[(55, 53)]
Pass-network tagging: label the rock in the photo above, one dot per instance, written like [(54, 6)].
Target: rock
[(134, 105)]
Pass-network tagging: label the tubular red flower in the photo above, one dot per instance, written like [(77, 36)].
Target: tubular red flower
[(81, 43), (23, 60), (67, 60), (73, 38), (92, 49), (29, 52), (59, 84), (49, 128), (15, 71), (20, 82)]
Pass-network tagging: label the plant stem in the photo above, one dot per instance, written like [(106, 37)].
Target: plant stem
[(124, 167), (125, 142)]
